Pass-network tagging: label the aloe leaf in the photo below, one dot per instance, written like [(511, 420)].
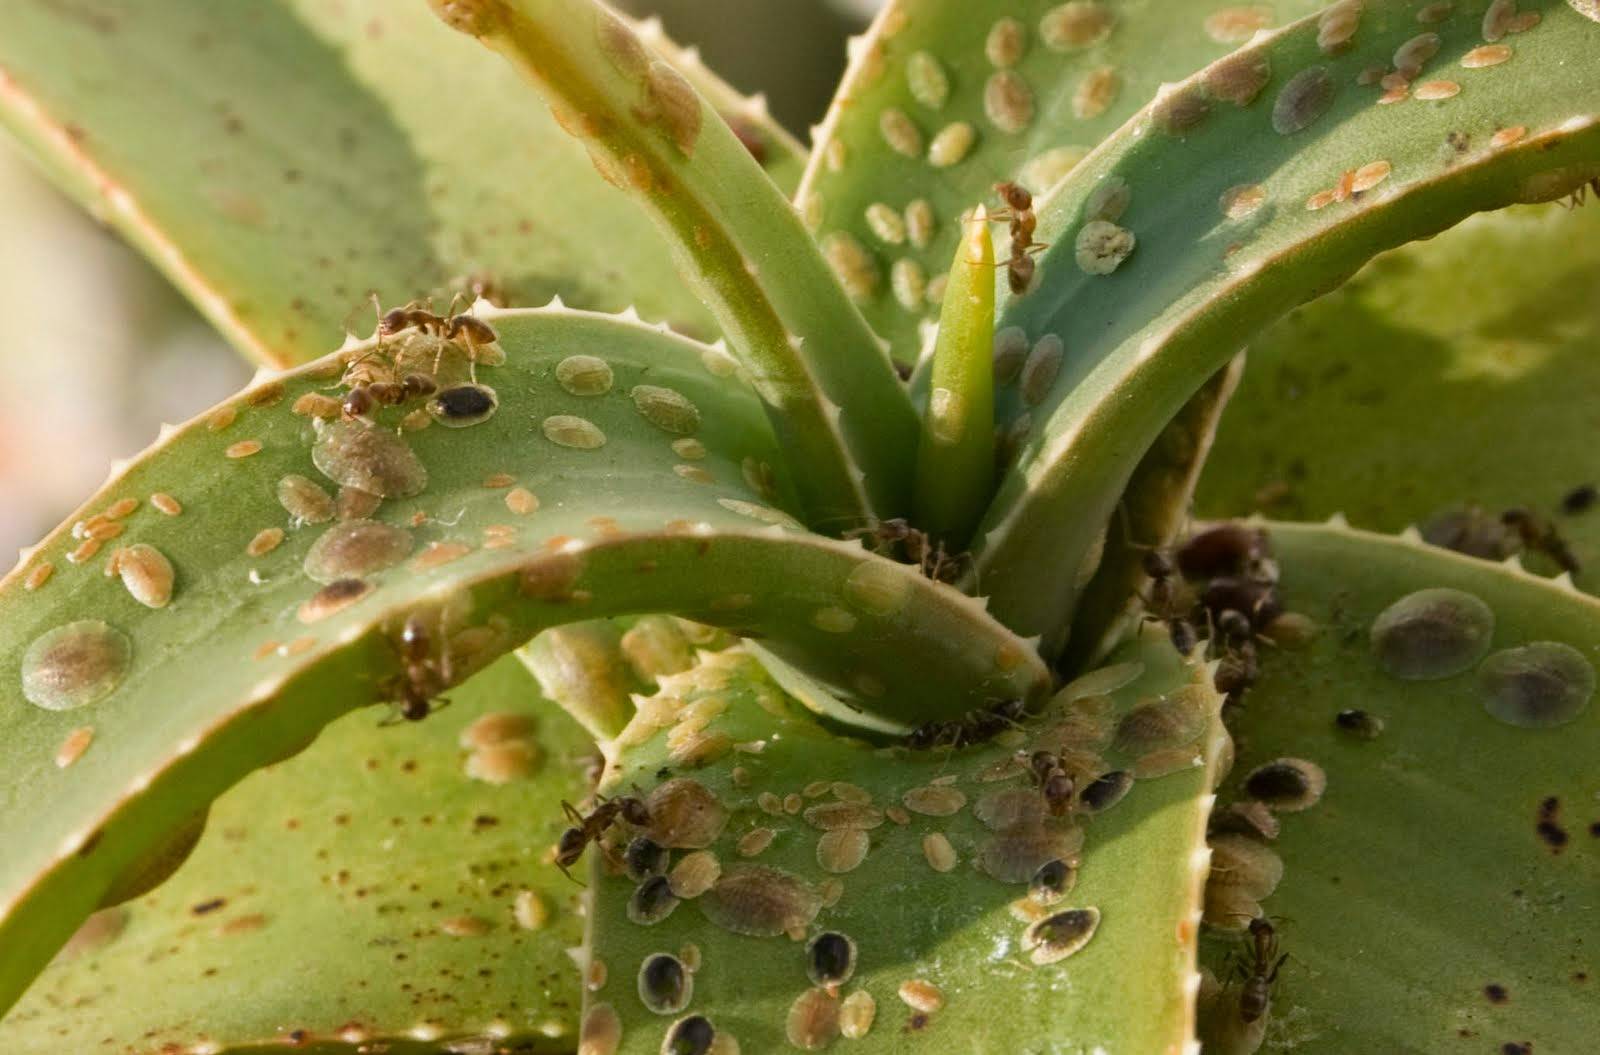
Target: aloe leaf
[(1153, 511), (1151, 282), (1453, 852), (382, 887), (1039, 83), (843, 419), (621, 471), (276, 219), (939, 952), (955, 459), (1320, 424)]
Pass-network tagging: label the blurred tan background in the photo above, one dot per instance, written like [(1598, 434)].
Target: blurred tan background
[(99, 351)]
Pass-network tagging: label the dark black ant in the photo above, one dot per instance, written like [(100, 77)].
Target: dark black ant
[(413, 692), (1580, 499), (1227, 549), (1164, 603), (1540, 535), (591, 827), (898, 540), (1020, 265), (974, 727), (1054, 784), (1255, 995)]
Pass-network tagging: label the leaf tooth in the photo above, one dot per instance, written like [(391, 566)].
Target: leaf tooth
[(1338, 520), (690, 56), (650, 30), (755, 106), (855, 47), (1409, 533), (556, 303), (165, 430), (351, 342), (1514, 562), (1564, 581), (630, 313)]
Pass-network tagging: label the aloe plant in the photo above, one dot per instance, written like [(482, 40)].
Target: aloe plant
[(888, 715)]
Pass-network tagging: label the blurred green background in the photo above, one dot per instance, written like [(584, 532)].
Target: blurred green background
[(99, 351)]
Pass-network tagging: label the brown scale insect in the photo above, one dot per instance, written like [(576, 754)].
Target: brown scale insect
[(1255, 994), (592, 826), (412, 693), (1019, 211)]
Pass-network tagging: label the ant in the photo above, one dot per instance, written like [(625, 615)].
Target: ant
[(1255, 995), (1164, 603), (462, 327), (1540, 535), (1019, 205), (931, 557), (589, 828), (423, 679), (971, 728), (1051, 777)]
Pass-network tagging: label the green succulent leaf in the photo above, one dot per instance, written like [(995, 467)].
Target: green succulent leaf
[(1153, 511), (921, 859), (619, 469), (1505, 366), (845, 423), (955, 458), (1037, 83), (1262, 181), (302, 155), (1442, 894), (385, 886)]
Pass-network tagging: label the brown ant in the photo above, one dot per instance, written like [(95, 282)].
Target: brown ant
[(1019, 211), (413, 692), (591, 827), (898, 540), (1164, 602), (1255, 995)]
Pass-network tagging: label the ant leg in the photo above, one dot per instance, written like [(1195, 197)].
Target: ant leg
[(572, 814), (569, 875), (392, 718)]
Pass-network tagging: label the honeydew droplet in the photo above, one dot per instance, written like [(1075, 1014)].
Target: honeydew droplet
[(1432, 634), (75, 665), (569, 430), (1536, 686), (584, 375)]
